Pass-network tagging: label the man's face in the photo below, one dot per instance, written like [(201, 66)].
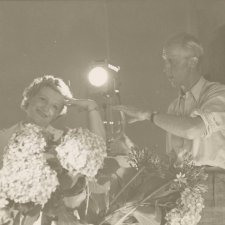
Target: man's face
[(45, 106), (177, 66)]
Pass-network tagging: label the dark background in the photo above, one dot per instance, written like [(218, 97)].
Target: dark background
[(64, 37)]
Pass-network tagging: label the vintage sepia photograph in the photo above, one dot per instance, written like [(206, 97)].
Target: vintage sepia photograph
[(112, 112)]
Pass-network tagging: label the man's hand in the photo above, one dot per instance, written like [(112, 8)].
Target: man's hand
[(135, 114)]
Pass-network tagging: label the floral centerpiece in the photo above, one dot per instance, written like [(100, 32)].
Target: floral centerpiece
[(189, 182), (158, 189), (30, 182), (64, 180)]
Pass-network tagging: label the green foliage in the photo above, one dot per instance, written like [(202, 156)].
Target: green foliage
[(140, 194)]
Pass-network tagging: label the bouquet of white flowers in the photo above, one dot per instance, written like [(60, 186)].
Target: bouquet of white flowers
[(26, 176), (189, 207), (81, 151), (35, 167)]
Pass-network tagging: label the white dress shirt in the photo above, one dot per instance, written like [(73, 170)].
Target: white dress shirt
[(207, 100)]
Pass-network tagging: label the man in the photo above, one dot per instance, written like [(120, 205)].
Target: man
[(195, 121)]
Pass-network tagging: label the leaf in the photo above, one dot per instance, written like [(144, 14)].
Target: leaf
[(110, 166), (32, 216), (28, 220), (96, 188), (75, 201), (6, 216), (17, 219), (121, 179), (151, 183), (99, 202), (168, 200), (10, 222), (147, 215), (25, 208), (46, 220), (51, 207), (160, 191), (94, 204), (121, 145), (114, 218), (53, 162), (167, 194), (66, 217), (79, 184)]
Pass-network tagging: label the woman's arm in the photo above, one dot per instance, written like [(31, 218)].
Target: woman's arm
[(95, 122), (94, 117)]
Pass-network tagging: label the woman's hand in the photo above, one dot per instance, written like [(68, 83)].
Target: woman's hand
[(134, 113), (94, 117), (85, 104)]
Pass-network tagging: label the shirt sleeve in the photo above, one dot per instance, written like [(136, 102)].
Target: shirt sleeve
[(212, 112)]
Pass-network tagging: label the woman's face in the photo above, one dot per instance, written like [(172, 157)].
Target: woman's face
[(45, 106)]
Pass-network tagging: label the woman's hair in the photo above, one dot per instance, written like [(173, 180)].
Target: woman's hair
[(55, 83)]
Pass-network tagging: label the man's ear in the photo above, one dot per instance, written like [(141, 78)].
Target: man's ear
[(193, 61)]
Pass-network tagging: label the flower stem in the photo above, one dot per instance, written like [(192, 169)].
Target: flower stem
[(143, 201), (130, 181), (139, 204), (125, 216), (154, 192), (88, 198)]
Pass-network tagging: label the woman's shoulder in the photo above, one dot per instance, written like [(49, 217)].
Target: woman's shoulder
[(7, 132)]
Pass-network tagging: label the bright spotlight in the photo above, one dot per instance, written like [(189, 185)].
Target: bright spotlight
[(98, 76)]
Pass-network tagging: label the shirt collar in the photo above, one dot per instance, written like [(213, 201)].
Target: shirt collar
[(195, 91), (197, 88)]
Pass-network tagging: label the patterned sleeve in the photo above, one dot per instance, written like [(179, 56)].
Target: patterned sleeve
[(212, 112)]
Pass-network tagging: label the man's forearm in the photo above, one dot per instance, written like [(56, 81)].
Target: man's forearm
[(182, 126)]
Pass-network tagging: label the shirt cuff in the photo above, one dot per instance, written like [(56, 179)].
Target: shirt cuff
[(209, 120)]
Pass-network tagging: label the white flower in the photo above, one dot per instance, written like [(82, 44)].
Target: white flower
[(3, 199), (81, 151), (181, 179), (26, 176), (189, 207)]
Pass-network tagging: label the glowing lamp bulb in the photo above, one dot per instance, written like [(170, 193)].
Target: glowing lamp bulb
[(98, 76)]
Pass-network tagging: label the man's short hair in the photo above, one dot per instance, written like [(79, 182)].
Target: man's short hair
[(187, 42), (55, 83)]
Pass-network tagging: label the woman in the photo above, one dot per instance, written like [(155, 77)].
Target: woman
[(45, 100)]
